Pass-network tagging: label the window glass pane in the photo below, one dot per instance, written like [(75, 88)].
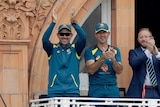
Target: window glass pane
[(89, 28), (89, 25)]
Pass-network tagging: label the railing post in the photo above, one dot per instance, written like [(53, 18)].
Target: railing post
[(65, 103), (51, 103), (32, 104), (152, 103), (87, 102)]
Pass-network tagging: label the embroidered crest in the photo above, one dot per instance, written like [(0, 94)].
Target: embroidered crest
[(58, 51), (102, 25), (104, 68), (68, 51)]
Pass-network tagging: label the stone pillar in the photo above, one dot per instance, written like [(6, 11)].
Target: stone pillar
[(14, 73), (14, 41), (21, 22)]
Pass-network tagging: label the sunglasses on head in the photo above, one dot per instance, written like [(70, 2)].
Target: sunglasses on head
[(62, 34)]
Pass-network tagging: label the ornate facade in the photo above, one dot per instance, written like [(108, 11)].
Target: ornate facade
[(23, 62)]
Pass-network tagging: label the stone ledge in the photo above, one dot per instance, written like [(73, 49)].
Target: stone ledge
[(13, 42)]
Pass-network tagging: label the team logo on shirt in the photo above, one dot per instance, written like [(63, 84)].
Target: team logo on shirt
[(58, 51), (104, 68), (68, 51), (97, 58)]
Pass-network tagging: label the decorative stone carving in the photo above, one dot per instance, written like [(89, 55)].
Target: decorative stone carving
[(20, 17)]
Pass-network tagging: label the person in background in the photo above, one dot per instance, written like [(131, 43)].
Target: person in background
[(64, 59), (103, 62), (145, 63)]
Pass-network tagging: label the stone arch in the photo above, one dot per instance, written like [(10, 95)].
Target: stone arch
[(38, 78)]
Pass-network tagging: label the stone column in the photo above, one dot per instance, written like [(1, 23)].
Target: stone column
[(14, 73)]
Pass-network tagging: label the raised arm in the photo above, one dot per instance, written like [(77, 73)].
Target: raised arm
[(47, 45), (81, 42)]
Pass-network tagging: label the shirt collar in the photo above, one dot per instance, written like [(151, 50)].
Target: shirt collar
[(143, 49)]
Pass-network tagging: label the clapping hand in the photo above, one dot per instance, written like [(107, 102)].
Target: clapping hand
[(110, 54), (73, 21), (150, 44), (54, 15)]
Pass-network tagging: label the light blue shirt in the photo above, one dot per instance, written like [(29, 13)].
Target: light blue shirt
[(149, 55)]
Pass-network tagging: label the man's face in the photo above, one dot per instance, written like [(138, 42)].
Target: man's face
[(64, 36), (143, 37), (102, 36)]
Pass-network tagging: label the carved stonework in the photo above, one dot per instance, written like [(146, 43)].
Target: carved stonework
[(20, 17), (20, 24)]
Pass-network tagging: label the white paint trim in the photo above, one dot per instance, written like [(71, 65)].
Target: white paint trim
[(106, 15)]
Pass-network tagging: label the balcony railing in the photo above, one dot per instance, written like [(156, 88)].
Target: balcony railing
[(92, 102)]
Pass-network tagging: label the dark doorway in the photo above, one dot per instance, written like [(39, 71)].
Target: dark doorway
[(147, 15)]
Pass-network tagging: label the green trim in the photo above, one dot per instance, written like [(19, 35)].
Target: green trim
[(77, 56), (53, 80), (55, 46), (74, 80), (94, 51), (49, 57)]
